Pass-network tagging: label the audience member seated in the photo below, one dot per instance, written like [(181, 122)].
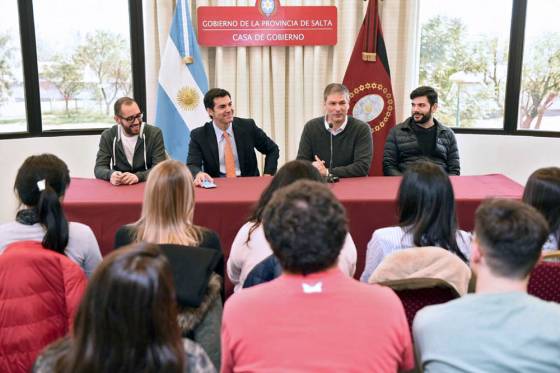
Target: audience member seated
[(40, 291), (313, 318), (250, 246), (267, 270), (542, 191), (40, 185), (500, 328), (127, 321), (167, 220), (426, 210), (423, 263)]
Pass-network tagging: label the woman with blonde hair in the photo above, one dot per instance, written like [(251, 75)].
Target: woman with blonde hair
[(168, 211), (194, 252)]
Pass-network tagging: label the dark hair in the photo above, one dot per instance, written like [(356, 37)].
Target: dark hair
[(426, 207), (511, 235), (127, 320), (286, 175), (120, 102), (45, 203), (305, 226), (542, 191), (335, 88), (212, 94), (429, 92)]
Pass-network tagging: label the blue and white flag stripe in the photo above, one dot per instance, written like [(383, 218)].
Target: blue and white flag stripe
[(182, 86)]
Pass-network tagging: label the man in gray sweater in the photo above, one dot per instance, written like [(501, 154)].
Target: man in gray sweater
[(349, 138)]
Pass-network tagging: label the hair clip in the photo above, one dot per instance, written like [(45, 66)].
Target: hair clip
[(41, 184)]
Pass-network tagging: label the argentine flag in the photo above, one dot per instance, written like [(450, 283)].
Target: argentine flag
[(182, 85)]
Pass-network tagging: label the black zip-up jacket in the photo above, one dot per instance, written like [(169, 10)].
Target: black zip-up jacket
[(401, 149)]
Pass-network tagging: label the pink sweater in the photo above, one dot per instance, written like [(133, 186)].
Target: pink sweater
[(324, 322)]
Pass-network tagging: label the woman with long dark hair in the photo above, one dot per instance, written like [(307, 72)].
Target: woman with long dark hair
[(426, 211), (542, 191), (250, 247), (40, 185), (127, 321)]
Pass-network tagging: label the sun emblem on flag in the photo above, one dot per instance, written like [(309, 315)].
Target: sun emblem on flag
[(188, 98), (267, 7), (373, 104)]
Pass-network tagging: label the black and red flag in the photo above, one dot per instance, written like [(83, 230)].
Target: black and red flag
[(369, 80)]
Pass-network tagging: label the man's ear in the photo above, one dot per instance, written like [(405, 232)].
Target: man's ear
[(210, 112), (116, 118), (434, 108), (476, 253)]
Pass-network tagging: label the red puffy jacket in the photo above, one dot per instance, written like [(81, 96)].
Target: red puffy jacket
[(40, 291)]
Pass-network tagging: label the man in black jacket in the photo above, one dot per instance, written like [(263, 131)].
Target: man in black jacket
[(421, 137), (129, 149), (226, 145)]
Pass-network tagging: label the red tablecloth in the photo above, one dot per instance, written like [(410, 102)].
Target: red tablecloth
[(370, 204)]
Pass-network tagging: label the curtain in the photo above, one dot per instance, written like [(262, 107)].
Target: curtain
[(281, 88)]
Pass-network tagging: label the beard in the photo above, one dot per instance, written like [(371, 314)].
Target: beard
[(425, 118), (132, 132)]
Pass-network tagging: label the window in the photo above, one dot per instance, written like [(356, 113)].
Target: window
[(12, 93), (83, 61), (75, 59), (539, 101), (463, 55), (472, 53)]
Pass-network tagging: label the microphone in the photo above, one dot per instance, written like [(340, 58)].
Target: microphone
[(330, 177)]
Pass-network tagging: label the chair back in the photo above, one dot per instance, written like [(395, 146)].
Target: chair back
[(424, 262), (545, 281), (191, 268), (418, 293)]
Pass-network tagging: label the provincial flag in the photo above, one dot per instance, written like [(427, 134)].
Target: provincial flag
[(181, 86), (369, 81)]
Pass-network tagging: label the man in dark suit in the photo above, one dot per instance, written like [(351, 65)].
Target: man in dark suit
[(225, 147)]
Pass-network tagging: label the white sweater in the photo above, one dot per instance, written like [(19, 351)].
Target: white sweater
[(82, 245), (243, 256)]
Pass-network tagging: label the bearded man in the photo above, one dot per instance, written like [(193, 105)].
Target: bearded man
[(421, 138)]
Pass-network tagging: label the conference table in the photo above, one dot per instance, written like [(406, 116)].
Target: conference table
[(370, 204)]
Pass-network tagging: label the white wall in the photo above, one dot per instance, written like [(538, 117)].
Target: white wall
[(514, 156), (77, 151)]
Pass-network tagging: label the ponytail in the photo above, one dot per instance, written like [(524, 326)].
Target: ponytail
[(40, 184), (51, 216)]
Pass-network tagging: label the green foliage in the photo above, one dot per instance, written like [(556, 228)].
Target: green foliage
[(67, 76), (6, 75), (104, 53), (78, 116), (541, 78), (446, 49)]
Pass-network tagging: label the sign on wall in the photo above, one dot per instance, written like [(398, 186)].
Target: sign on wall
[(266, 24)]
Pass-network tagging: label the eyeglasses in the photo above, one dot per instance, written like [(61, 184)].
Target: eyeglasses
[(132, 118)]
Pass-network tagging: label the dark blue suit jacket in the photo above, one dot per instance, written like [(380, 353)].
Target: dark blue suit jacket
[(204, 156)]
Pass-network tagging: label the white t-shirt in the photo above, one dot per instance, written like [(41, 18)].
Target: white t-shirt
[(129, 144)]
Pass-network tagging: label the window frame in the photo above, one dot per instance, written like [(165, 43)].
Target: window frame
[(31, 71), (513, 83)]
